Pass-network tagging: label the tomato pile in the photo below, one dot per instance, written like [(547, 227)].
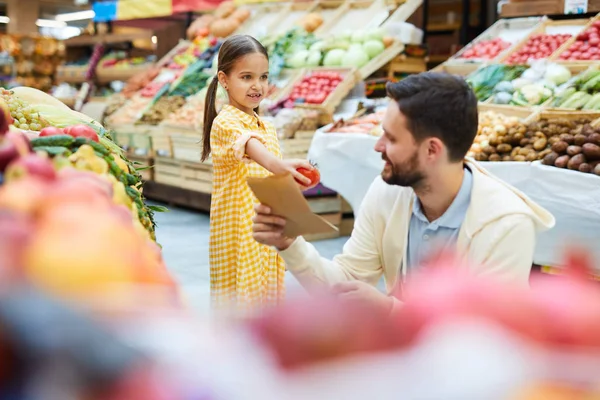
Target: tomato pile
[(537, 47), (316, 87), (586, 45), (486, 49), (76, 131)]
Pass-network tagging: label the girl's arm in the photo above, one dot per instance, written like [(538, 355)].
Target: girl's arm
[(259, 154)]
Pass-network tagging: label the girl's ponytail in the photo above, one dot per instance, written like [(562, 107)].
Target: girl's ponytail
[(210, 113)]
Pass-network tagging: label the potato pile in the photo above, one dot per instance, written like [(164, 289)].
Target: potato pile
[(574, 145), (559, 142), (502, 138)]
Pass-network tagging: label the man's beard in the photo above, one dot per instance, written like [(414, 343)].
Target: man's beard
[(406, 175)]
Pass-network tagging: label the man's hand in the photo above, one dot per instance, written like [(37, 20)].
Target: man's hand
[(268, 229), (361, 292)]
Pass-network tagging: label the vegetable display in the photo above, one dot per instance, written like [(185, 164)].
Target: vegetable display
[(583, 93), (369, 124), (575, 145), (536, 85), (502, 138), (559, 142), (71, 140), (315, 87), (161, 109), (537, 47), (484, 80), (586, 45), (485, 49), (299, 49)]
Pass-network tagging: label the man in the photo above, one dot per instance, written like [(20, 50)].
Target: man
[(427, 198)]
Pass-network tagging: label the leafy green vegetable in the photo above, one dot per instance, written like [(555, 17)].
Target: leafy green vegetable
[(485, 79)]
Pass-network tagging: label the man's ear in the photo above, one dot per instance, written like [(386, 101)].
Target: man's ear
[(435, 147)]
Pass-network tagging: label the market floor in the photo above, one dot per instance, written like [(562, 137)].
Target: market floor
[(183, 234)]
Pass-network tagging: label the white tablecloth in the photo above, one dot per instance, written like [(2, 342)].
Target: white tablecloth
[(348, 164)]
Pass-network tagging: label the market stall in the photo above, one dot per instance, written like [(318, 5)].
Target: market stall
[(314, 66)]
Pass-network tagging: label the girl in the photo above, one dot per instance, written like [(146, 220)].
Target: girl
[(242, 272)]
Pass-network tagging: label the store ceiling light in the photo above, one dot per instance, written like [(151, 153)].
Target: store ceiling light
[(4, 20), (76, 16), (50, 23)]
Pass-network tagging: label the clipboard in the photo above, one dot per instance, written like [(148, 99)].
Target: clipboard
[(282, 194)]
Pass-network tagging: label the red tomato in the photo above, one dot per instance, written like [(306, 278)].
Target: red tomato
[(594, 41), (313, 174), (51, 131), (585, 56), (82, 131)]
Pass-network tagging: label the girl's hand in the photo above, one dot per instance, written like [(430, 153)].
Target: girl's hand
[(291, 166)]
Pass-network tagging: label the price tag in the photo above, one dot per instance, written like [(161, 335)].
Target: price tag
[(576, 6)]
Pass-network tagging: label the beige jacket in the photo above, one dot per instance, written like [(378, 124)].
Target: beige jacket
[(497, 237)]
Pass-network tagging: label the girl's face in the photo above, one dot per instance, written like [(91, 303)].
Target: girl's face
[(248, 82)]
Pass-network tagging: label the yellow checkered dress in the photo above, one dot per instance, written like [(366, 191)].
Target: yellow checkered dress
[(243, 273)]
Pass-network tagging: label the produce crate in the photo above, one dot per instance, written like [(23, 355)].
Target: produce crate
[(295, 11), (187, 147), (509, 30), (402, 13), (285, 83), (329, 10), (355, 15), (593, 116), (191, 176), (263, 19), (107, 75), (567, 45), (381, 60), (550, 27), (144, 162), (328, 107), (296, 147), (523, 113), (462, 69), (122, 136), (71, 74)]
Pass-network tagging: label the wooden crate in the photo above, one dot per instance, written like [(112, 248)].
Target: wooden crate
[(572, 115), (329, 10), (463, 69), (167, 171), (196, 177), (187, 147), (520, 26), (403, 12), (355, 15), (573, 26), (295, 147), (295, 12), (144, 162), (521, 9), (381, 60), (328, 107), (523, 113), (107, 75), (567, 45), (263, 19), (286, 81)]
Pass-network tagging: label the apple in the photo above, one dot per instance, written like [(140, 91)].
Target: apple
[(11, 145), (31, 165)]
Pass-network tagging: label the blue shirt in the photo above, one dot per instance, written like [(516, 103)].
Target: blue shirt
[(426, 238)]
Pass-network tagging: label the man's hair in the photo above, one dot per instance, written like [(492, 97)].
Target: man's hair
[(438, 105)]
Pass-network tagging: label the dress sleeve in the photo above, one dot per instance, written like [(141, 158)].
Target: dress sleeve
[(229, 141)]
